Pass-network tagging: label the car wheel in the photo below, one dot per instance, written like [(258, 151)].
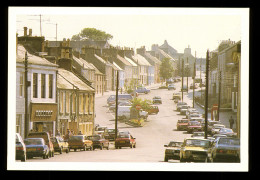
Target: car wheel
[(165, 159), (24, 158), (75, 150), (52, 154), (60, 150), (84, 148), (101, 147), (67, 150), (108, 147)]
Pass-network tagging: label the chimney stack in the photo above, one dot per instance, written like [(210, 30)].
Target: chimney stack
[(30, 32), (25, 31)]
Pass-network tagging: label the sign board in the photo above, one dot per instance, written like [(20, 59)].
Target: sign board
[(138, 107)]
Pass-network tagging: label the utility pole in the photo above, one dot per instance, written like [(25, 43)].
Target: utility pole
[(26, 127), (116, 104), (187, 75), (194, 75), (219, 93), (206, 95), (182, 80)]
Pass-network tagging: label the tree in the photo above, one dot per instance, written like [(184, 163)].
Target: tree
[(91, 34), (166, 69)]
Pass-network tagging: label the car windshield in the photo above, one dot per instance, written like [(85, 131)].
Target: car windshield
[(229, 141), (93, 138), (76, 138), (195, 115), (111, 130), (184, 107), (33, 142), (181, 103), (123, 136), (194, 123), (198, 134), (183, 121), (175, 144), (226, 130), (197, 143), (101, 128)]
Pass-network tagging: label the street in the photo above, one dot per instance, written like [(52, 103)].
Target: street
[(150, 139)]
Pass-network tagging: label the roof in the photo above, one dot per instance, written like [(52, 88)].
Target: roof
[(100, 59), (130, 61), (154, 59), (96, 69), (83, 63), (141, 60), (67, 80), (32, 59), (116, 67), (124, 60), (165, 54)]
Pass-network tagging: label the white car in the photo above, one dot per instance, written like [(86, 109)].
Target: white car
[(216, 128)]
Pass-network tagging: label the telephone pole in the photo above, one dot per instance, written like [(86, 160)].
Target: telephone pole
[(116, 105), (182, 80), (206, 95), (26, 127)]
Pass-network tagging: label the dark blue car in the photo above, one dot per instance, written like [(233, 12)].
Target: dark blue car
[(36, 147)]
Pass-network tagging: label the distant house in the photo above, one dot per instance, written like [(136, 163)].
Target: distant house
[(153, 61), (145, 70), (92, 55), (75, 104)]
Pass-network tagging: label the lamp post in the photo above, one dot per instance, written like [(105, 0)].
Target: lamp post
[(206, 95)]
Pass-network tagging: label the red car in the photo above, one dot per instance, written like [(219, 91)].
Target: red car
[(152, 110), (125, 140), (194, 126), (182, 124)]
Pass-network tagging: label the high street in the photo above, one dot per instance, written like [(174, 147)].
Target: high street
[(158, 130)]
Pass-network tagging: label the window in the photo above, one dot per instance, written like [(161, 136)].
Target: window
[(67, 102), (21, 84), (35, 85), (18, 123), (81, 103), (61, 102), (73, 103), (43, 82), (86, 104), (50, 85), (91, 103)]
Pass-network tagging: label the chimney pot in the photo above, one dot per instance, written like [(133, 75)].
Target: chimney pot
[(25, 31), (30, 32)]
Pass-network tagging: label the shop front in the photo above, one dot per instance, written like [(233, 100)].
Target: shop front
[(43, 117)]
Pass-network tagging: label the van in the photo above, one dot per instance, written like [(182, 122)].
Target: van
[(123, 112), (47, 139), (112, 98)]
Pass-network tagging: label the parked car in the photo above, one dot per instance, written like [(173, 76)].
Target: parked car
[(80, 142), (60, 145), (195, 86), (111, 134), (183, 109), (194, 126), (191, 111), (152, 110), (20, 153), (101, 130), (176, 96), (112, 98), (124, 112), (182, 124), (225, 149), (99, 142), (47, 139), (157, 100), (219, 135), (172, 151), (228, 132), (125, 140), (216, 128), (36, 147), (194, 149), (198, 134), (194, 116), (179, 104), (171, 86), (142, 90)]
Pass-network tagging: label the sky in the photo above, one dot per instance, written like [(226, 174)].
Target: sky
[(201, 29)]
